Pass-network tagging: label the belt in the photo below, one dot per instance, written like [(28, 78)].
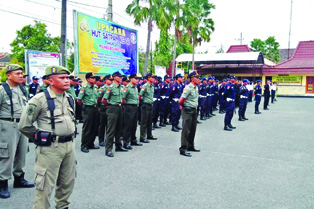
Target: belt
[(202, 96), (114, 104), (164, 97), (243, 96), (210, 94), (148, 104), (63, 139), (154, 99), (11, 119), (90, 105), (258, 95), (229, 99), (132, 105), (175, 99)]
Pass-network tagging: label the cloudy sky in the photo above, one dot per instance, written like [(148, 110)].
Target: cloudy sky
[(252, 18)]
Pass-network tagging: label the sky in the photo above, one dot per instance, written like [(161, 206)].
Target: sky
[(252, 18)]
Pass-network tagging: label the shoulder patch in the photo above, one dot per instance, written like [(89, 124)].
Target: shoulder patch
[(108, 91), (31, 109)]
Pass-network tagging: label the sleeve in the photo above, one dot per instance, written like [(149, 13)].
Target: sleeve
[(81, 94), (29, 115), (107, 93), (101, 92), (143, 89), (186, 92)]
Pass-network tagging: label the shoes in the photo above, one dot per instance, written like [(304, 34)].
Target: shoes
[(198, 122), (185, 153), (20, 182), (212, 114), (121, 149), (81, 121), (102, 144), (85, 150), (162, 125), (266, 108), (221, 112), (245, 118), (4, 189), (203, 118), (174, 129), (230, 126), (151, 138), (94, 147), (167, 123), (227, 128), (178, 127), (156, 126), (241, 119), (144, 141), (193, 149), (128, 147), (109, 154), (136, 144)]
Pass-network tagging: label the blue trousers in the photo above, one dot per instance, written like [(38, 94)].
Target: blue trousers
[(257, 102), (242, 106), (201, 104), (175, 112), (229, 112), (165, 109)]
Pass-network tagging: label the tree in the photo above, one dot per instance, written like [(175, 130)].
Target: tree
[(269, 48), (155, 12)]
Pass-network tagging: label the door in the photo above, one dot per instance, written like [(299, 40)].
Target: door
[(309, 85)]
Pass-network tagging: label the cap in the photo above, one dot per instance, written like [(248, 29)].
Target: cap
[(125, 78), (55, 69), (116, 74), (166, 76), (258, 81), (134, 76), (245, 80), (35, 78), (45, 77), (194, 74), (106, 77), (217, 81), (178, 76), (97, 78), (12, 67), (25, 75), (232, 77), (171, 79), (90, 75), (224, 80), (148, 75), (159, 78), (204, 79)]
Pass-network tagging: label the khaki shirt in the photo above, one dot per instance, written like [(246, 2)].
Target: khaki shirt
[(37, 110), (114, 94), (88, 94), (71, 91), (130, 94), (147, 93), (190, 93), (18, 99)]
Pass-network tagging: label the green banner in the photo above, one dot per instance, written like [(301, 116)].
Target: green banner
[(288, 80)]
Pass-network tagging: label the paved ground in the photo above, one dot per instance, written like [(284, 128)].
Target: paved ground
[(267, 162)]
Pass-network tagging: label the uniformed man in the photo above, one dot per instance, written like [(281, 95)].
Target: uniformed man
[(164, 103), (229, 96), (147, 96), (44, 85), (156, 104), (73, 83), (176, 92), (189, 103), (102, 110), (26, 86), (210, 97), (221, 91), (33, 87), (112, 99), (139, 109), (130, 100), (55, 164), (99, 82), (243, 100), (258, 95), (266, 95), (216, 95), (202, 98), (88, 100), (78, 108), (13, 144)]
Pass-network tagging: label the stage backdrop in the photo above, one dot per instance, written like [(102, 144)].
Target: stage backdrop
[(104, 47)]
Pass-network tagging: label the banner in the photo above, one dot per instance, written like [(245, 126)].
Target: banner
[(37, 61), (104, 47), (288, 80), (181, 71), (160, 71)]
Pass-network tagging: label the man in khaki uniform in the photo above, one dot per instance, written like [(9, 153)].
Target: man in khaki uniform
[(147, 95), (55, 164), (189, 103), (13, 145)]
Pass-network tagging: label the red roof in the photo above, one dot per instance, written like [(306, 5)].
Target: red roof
[(238, 48), (303, 57)]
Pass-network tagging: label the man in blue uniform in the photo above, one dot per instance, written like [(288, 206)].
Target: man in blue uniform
[(33, 87), (216, 95), (164, 103), (258, 95), (210, 97), (221, 91), (156, 105), (229, 96), (177, 88), (202, 98), (243, 100)]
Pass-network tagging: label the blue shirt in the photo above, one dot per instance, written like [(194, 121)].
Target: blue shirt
[(157, 89), (176, 90), (165, 89), (202, 90), (229, 91), (258, 89)]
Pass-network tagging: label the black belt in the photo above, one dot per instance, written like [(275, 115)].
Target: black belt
[(148, 104), (11, 119), (132, 104), (90, 105), (64, 139), (114, 104)]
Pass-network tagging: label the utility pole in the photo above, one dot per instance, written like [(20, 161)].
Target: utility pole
[(63, 43), (290, 30), (110, 10), (240, 39)]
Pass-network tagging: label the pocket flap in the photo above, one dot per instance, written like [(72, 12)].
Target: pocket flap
[(40, 171), (3, 145)]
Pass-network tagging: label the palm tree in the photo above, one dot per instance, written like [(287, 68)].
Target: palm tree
[(155, 12)]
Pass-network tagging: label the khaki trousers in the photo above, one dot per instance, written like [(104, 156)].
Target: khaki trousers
[(13, 149), (55, 167), (189, 123)]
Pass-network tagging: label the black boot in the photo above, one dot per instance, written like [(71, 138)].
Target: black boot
[(244, 117), (174, 128), (4, 190), (227, 128), (156, 126), (178, 127), (211, 113), (230, 126), (240, 118), (161, 124), (20, 182)]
